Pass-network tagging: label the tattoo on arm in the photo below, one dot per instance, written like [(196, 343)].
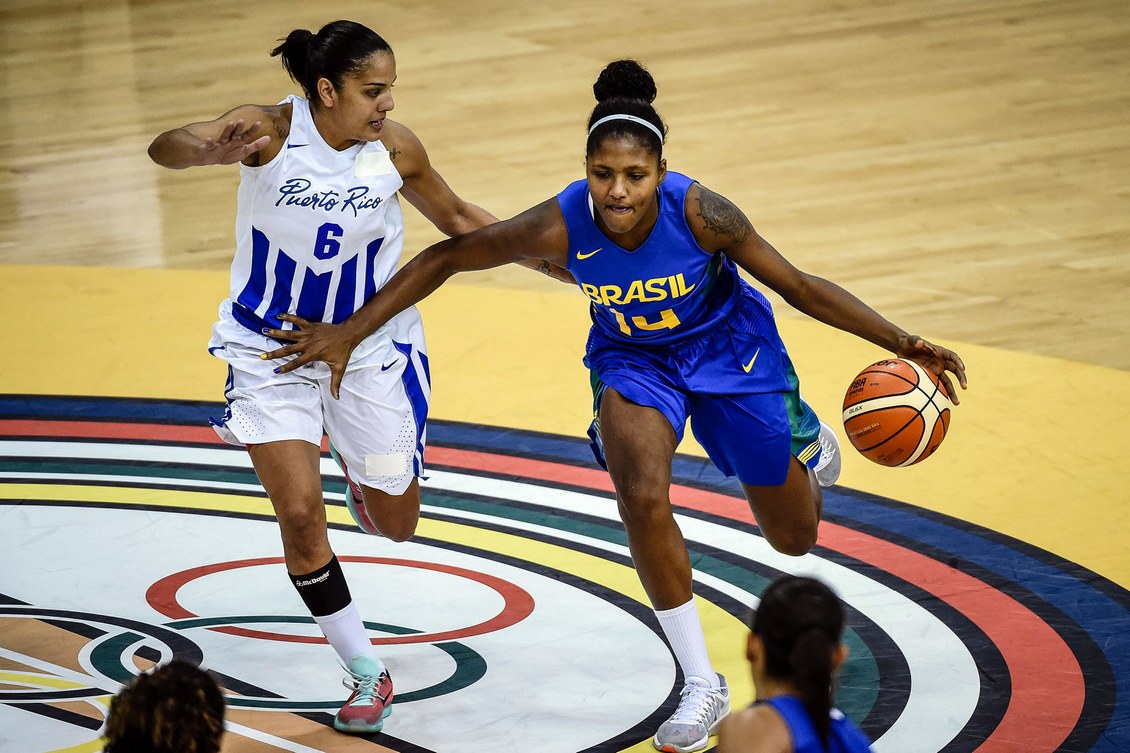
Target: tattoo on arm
[(549, 269), (393, 153), (558, 273), (722, 217)]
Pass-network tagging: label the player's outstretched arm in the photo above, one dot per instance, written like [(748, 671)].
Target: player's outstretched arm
[(234, 137), (536, 233), (426, 190), (720, 226)]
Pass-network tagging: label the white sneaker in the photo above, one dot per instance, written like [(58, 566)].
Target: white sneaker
[(701, 709), (828, 466)]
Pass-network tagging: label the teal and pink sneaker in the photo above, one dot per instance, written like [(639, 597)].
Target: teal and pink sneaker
[(370, 703)]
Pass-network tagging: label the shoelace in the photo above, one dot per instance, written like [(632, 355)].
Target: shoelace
[(827, 452), (696, 705), (366, 687)]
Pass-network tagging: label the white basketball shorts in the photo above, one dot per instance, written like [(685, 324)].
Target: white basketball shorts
[(378, 424)]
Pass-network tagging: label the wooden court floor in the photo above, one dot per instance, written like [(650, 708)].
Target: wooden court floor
[(960, 166)]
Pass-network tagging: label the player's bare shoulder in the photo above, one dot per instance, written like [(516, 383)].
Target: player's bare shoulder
[(278, 118), (404, 149), (715, 220), (757, 729)]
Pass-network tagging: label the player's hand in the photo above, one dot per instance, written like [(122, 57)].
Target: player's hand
[(312, 341), (937, 359), (234, 144)]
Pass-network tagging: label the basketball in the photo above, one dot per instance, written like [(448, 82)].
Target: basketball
[(896, 413)]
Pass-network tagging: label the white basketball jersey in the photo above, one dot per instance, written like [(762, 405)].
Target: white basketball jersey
[(318, 231)]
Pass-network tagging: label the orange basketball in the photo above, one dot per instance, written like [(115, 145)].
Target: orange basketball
[(896, 412)]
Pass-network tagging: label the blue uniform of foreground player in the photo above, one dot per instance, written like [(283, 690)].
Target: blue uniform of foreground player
[(676, 333), (795, 651)]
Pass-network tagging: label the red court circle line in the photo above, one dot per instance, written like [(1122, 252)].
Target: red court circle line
[(1025, 641), (1045, 703), (518, 604)]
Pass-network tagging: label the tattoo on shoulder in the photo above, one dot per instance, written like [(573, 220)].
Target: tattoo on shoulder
[(722, 217), (393, 153)]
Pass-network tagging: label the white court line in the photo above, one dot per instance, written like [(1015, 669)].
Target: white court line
[(266, 737), (940, 664)]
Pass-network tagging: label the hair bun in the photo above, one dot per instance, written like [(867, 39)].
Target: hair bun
[(300, 36), (627, 79)]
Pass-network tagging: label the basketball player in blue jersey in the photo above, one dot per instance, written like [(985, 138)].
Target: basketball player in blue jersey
[(676, 334), (318, 231), (795, 652)]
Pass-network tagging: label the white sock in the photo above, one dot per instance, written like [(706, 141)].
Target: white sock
[(684, 632), (346, 633)]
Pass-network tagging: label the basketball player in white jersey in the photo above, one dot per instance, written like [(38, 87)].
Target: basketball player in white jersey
[(318, 232)]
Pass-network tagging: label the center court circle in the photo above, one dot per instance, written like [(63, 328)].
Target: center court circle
[(1014, 608)]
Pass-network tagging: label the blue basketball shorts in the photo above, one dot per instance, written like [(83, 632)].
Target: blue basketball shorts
[(736, 385)]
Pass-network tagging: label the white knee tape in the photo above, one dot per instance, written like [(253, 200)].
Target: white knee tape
[(392, 464)]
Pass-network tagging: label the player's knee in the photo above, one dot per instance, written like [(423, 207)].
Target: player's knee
[(398, 531), (304, 535), (639, 508), (395, 516), (793, 541)]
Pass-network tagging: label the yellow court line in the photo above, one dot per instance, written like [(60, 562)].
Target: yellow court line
[(1033, 450), (46, 681), (148, 496), (725, 633), (93, 746), (40, 681)]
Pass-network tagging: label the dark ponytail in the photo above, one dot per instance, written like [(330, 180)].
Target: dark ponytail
[(625, 87), (810, 667), (293, 52), (800, 622), (337, 50)]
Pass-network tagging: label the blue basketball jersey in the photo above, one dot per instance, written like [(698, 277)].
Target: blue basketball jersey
[(666, 290), (676, 329), (845, 737)]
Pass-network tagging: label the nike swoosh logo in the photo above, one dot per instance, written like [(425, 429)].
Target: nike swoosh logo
[(749, 366), (386, 368), (295, 146), (590, 253)]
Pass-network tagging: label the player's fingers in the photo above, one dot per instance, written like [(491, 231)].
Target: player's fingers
[(958, 368), (229, 129), (951, 362), (299, 360), (243, 133), (256, 145), (336, 375), (282, 334), (297, 321), (283, 352), (947, 384)]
